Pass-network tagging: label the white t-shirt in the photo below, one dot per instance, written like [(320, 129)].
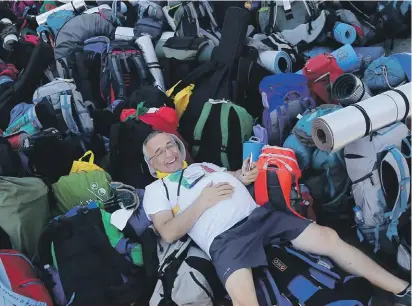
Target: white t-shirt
[(213, 221)]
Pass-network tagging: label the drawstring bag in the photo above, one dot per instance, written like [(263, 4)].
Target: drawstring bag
[(80, 165), (383, 74)]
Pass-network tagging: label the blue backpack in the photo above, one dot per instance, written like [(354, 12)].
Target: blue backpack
[(297, 278), (323, 173), (284, 97)]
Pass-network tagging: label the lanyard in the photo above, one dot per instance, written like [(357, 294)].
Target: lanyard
[(178, 188)]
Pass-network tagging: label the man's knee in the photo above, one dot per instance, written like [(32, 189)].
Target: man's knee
[(241, 288)]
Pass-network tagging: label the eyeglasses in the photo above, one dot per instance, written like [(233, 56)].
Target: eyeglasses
[(162, 152)]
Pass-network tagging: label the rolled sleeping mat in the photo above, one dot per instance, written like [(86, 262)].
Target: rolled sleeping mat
[(344, 33), (334, 131), (275, 61), (145, 44), (11, 38), (124, 33), (159, 46), (75, 5), (348, 89)]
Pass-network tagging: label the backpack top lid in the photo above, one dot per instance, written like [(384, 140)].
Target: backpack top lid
[(303, 128), (362, 155), (276, 88), (283, 162)]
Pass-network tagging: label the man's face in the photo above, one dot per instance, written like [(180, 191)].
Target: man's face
[(164, 153)]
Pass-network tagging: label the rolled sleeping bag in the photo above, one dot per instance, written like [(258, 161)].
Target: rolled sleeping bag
[(346, 58), (80, 28), (303, 153), (348, 89), (384, 73), (367, 55), (145, 44), (404, 60), (335, 130), (162, 40), (76, 5), (275, 61), (124, 33), (344, 33)]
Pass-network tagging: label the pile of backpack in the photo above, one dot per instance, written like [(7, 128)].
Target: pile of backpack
[(83, 83)]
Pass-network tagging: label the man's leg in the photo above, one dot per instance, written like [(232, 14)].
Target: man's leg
[(241, 288), (325, 241)]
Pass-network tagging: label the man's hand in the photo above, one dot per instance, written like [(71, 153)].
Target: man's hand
[(213, 194), (245, 176)]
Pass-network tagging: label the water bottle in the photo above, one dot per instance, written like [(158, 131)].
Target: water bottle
[(358, 215)]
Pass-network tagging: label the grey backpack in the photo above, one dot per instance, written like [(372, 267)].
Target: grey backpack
[(72, 113), (186, 275), (380, 178), (296, 20)]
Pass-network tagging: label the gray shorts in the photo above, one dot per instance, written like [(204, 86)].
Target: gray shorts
[(242, 246)]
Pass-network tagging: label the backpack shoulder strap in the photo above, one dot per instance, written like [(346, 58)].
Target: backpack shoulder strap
[(197, 134), (246, 125), (66, 108), (402, 202), (170, 265)]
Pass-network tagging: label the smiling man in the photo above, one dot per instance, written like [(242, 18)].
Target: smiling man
[(215, 209)]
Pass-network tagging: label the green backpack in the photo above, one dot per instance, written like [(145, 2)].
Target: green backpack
[(24, 211), (220, 132), (82, 188)]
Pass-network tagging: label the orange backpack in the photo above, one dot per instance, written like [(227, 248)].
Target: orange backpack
[(277, 182)]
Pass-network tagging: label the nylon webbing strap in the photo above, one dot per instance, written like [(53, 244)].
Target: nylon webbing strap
[(66, 107), (116, 66), (197, 134), (406, 100), (366, 116), (224, 122)]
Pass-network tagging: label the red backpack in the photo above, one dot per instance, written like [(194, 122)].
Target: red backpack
[(18, 283), (277, 183), (321, 71)]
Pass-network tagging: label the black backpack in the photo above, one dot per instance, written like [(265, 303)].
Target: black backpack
[(91, 271), (125, 71), (126, 160), (27, 83), (10, 164)]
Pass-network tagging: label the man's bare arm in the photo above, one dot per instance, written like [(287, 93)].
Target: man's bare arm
[(172, 228)]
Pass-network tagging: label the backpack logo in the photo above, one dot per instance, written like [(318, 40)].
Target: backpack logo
[(279, 264)]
